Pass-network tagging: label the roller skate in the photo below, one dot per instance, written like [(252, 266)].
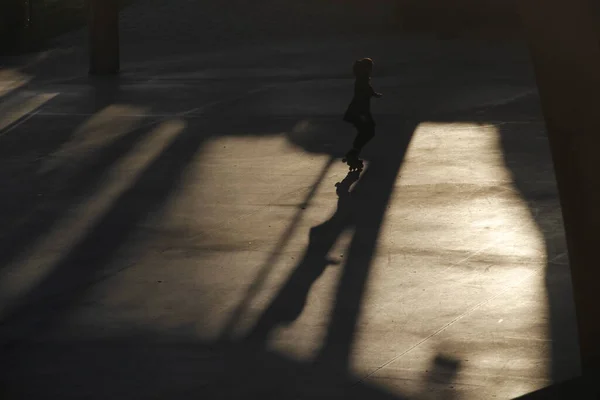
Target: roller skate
[(354, 163)]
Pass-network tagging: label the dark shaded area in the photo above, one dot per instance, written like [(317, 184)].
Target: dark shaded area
[(578, 388), (460, 18), (17, 29), (174, 368), (31, 25), (570, 108)]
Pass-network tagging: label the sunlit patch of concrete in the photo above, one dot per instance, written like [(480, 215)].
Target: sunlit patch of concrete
[(11, 79), (245, 176), (471, 194), (20, 108), (25, 273), (437, 155), (466, 253)]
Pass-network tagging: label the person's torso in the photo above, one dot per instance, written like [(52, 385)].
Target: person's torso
[(362, 94)]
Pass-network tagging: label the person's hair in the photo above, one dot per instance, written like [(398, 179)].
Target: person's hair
[(362, 67)]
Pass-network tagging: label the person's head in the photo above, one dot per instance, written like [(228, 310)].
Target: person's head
[(362, 68)]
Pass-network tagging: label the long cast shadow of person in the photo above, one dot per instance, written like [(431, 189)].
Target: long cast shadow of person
[(363, 210), (290, 301)]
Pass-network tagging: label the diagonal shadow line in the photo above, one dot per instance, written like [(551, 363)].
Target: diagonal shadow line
[(85, 263), (80, 184), (86, 179), (266, 268), (27, 229)]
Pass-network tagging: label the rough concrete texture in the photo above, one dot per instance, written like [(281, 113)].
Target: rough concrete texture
[(188, 230)]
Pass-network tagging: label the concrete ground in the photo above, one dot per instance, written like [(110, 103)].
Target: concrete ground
[(188, 230)]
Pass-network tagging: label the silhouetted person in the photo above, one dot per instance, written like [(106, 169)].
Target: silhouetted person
[(359, 111)]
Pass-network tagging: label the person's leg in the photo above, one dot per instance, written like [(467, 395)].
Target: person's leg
[(365, 134)]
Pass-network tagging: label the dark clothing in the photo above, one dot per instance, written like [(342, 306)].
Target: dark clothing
[(366, 131), (359, 110)]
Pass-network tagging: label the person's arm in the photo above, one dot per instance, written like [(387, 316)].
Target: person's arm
[(374, 93)]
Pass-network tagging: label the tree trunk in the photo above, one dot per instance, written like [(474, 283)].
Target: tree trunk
[(104, 37)]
